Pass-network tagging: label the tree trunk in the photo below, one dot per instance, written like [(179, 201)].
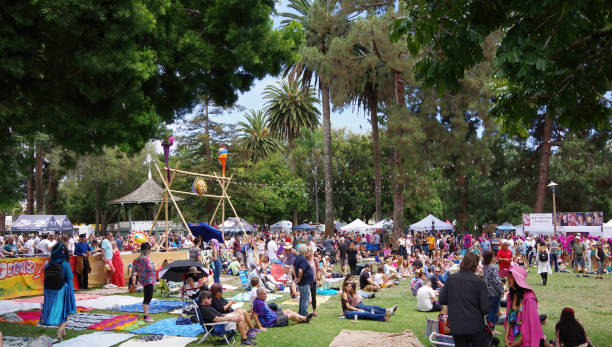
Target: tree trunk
[(52, 191), (207, 127), (30, 190), (462, 215), (327, 161), (544, 162), (373, 105), (293, 169), (96, 204), (316, 186), (2, 221), (40, 192), (398, 185)]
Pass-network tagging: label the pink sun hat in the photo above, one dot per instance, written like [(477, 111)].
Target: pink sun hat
[(520, 276)]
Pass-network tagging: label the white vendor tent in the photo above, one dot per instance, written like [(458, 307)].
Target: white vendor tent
[(357, 226), (426, 223), (281, 227), (386, 224)]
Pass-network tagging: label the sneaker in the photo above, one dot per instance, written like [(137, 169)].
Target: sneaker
[(577, 275), (247, 342), (148, 319), (251, 334), (255, 330), (393, 309)]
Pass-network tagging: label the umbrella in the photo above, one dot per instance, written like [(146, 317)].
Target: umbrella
[(176, 270)]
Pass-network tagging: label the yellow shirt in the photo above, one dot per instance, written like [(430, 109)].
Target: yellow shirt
[(432, 242)]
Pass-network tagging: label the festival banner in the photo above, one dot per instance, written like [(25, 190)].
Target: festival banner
[(21, 277), (537, 219)]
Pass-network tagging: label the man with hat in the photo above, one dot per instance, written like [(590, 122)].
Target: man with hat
[(579, 252), (232, 320), (82, 250)]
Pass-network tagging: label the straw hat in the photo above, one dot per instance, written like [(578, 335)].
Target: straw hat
[(193, 270)]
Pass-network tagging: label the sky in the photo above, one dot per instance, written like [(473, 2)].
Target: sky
[(350, 118)]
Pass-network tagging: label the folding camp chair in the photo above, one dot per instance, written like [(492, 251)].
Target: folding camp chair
[(244, 278), (170, 288), (214, 329), (436, 339)]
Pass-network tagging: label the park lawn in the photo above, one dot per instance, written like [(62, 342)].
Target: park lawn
[(590, 298)]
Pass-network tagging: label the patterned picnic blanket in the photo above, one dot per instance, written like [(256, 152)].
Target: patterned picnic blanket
[(123, 322), (156, 306), (40, 299), (42, 341), (169, 327), (97, 339), (81, 321), (246, 297)]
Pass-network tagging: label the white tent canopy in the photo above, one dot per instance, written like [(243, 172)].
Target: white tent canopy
[(383, 224), (356, 226), (609, 224), (426, 223), (282, 226)]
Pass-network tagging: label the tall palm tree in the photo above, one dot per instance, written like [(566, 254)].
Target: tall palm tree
[(321, 22), (291, 107), (256, 140), (310, 145)]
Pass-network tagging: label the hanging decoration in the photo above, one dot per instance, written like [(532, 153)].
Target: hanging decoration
[(166, 144), (199, 186), (138, 237), (222, 158)]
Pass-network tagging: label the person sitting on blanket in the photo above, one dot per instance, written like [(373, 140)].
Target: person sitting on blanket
[(234, 267), (190, 287), (381, 279), (210, 315), (358, 310), (266, 317), (220, 304)]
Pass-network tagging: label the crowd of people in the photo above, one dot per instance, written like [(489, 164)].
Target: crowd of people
[(470, 280)]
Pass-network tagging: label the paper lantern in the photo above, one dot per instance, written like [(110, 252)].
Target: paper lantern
[(199, 186), (139, 237)]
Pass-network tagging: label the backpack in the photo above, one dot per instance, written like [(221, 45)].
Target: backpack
[(54, 276), (543, 256)]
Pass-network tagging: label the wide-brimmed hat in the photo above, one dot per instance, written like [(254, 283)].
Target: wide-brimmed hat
[(520, 276), (193, 270)]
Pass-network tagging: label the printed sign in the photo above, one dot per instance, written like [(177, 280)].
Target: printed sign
[(537, 219), (21, 276)]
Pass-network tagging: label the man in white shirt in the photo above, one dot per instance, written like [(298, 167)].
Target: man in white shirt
[(29, 246), (272, 247), (44, 246), (426, 298), (587, 259)]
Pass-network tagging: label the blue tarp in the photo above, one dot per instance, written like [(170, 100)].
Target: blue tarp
[(304, 227), (35, 224), (205, 231)]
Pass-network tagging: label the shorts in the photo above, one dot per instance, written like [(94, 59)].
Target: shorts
[(282, 320), (109, 263), (148, 294), (342, 261), (579, 261)]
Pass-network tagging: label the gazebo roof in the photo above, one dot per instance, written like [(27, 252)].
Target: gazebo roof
[(148, 193)]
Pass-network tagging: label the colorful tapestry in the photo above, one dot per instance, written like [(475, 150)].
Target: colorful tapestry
[(156, 306), (123, 322), (81, 321)]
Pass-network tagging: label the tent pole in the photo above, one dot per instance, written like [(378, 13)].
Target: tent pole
[(165, 198), (173, 201)]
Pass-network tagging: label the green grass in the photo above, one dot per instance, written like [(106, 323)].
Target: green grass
[(590, 299)]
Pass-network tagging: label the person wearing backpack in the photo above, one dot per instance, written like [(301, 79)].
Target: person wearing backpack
[(543, 260), (59, 302)]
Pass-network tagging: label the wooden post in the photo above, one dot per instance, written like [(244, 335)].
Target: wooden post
[(164, 199), (224, 193), (172, 197)]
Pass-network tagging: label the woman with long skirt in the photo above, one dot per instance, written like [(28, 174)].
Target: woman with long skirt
[(59, 303)]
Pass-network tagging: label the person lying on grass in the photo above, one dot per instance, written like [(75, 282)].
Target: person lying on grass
[(352, 310), (266, 317), (210, 315)]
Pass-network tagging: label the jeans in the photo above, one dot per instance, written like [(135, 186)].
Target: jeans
[(365, 315), (587, 261), (369, 308), (553, 261), (313, 295), (493, 308), (600, 267), (217, 271), (84, 276), (479, 339), (304, 296)]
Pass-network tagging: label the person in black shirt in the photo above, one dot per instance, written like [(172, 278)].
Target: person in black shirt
[(600, 256), (343, 245), (210, 315), (365, 280), (436, 284), (351, 254), (468, 301), (223, 306)]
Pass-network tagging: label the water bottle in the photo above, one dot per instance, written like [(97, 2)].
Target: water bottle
[(355, 318)]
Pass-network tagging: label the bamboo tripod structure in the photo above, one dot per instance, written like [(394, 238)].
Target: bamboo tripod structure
[(223, 183)]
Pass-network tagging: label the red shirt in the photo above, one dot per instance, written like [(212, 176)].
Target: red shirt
[(504, 253)]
